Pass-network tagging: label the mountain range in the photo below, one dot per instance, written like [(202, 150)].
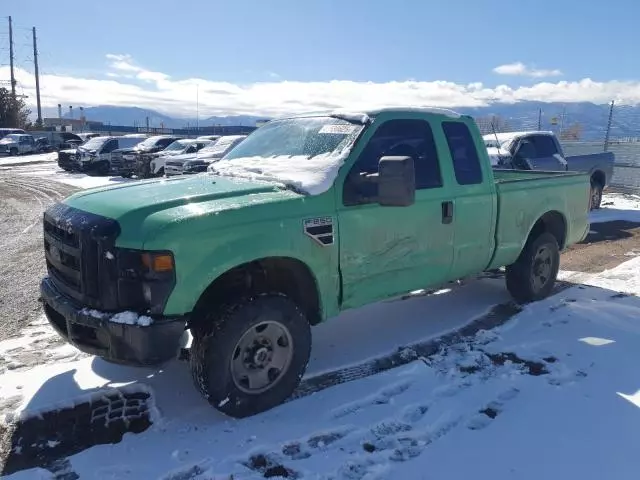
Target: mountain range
[(588, 118)]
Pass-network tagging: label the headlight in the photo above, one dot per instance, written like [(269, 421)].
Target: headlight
[(145, 279)]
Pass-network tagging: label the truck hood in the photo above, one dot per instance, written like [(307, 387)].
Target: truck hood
[(132, 204)]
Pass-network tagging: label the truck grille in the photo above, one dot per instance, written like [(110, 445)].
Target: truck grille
[(74, 245), (173, 168), (116, 161)]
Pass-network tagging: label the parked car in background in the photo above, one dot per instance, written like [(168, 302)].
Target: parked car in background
[(63, 140), (43, 145), (7, 131), (129, 161), (541, 150), (68, 160), (18, 144), (189, 164), (95, 155), (179, 147)]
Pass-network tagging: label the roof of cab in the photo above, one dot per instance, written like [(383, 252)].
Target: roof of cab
[(363, 116)]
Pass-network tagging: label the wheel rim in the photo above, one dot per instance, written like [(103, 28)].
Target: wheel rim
[(261, 357), (542, 267)]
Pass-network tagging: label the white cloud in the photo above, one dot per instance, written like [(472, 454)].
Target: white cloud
[(125, 83), (520, 69)]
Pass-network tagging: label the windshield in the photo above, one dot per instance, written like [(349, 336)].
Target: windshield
[(221, 145), (12, 138), (305, 153), (297, 136), (177, 146), (95, 143), (149, 143)]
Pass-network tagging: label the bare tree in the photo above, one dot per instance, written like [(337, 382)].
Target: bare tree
[(13, 111), (572, 133)]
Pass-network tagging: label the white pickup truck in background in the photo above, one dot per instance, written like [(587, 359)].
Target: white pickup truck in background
[(541, 150), (18, 144)]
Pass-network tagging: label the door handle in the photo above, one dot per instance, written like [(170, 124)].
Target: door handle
[(447, 212)]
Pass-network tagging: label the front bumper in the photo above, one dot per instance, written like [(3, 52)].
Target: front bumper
[(121, 343)]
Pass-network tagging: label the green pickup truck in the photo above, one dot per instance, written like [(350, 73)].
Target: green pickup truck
[(309, 216)]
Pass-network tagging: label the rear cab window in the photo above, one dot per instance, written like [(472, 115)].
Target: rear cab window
[(544, 145), (464, 154)]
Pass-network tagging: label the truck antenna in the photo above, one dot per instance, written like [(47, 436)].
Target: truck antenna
[(495, 134)]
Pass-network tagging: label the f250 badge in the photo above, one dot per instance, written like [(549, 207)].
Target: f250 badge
[(319, 229)]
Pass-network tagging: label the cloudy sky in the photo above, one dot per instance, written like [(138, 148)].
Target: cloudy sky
[(285, 56)]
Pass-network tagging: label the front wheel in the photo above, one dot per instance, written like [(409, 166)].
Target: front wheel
[(13, 152), (534, 274), (252, 357)]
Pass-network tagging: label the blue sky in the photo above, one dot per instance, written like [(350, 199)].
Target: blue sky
[(303, 41)]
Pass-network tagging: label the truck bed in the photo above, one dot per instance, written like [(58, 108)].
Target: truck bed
[(592, 162), (525, 195)]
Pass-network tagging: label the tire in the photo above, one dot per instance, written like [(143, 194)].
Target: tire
[(13, 152), (220, 341), (525, 282), (596, 195)]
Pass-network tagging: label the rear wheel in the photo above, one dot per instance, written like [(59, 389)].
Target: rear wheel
[(252, 357), (596, 195), (534, 274)]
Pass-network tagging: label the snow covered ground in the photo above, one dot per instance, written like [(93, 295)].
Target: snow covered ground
[(8, 161), (553, 393), (45, 166), (617, 206)]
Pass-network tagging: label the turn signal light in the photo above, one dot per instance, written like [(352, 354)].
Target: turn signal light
[(161, 262)]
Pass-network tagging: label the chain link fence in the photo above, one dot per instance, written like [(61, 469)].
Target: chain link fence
[(583, 129)]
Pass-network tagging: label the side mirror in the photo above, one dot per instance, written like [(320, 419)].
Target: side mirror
[(396, 182)]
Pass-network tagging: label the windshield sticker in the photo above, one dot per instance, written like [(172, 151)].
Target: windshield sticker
[(339, 129)]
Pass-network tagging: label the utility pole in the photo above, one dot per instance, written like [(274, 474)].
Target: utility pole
[(13, 76), (539, 119), (35, 63), (606, 136)]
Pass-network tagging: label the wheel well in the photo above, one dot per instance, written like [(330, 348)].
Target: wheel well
[(552, 222), (268, 275), (598, 178)]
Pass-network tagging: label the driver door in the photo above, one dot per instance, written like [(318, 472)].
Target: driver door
[(387, 251)]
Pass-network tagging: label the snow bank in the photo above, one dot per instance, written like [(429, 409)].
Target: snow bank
[(617, 206), (311, 175)]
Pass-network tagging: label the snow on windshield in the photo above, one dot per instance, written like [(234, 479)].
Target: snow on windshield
[(305, 153), (178, 145), (94, 143), (221, 145), (13, 137)]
